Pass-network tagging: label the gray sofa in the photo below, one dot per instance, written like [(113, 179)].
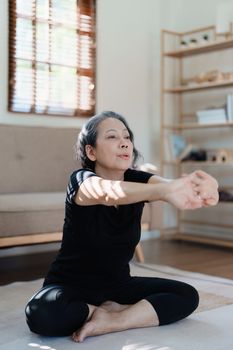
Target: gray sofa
[(35, 166)]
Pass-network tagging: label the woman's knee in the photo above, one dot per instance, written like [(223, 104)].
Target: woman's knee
[(172, 306), (49, 313), (193, 298)]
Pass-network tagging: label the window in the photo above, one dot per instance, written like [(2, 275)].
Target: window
[(52, 57)]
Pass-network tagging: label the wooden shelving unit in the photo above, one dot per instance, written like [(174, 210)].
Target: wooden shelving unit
[(197, 126), (179, 124), (182, 89)]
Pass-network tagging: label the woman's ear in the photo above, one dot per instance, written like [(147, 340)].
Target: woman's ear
[(90, 152)]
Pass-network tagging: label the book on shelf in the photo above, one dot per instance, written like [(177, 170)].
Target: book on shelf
[(175, 146), (212, 116), (229, 107)]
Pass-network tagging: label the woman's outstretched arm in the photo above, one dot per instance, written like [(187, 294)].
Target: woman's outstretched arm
[(188, 192)]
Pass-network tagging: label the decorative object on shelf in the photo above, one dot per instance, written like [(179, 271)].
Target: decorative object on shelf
[(227, 75), (183, 44), (193, 42), (196, 155), (208, 77), (223, 156), (225, 195), (220, 155), (205, 38), (211, 116)]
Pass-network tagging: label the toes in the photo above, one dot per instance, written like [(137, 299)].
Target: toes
[(84, 332), (75, 337), (78, 336)]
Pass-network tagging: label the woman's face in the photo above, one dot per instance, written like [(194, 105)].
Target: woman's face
[(114, 149)]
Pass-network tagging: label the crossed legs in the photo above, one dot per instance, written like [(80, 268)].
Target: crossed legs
[(140, 302)]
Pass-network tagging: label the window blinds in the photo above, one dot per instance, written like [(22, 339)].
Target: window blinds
[(52, 57)]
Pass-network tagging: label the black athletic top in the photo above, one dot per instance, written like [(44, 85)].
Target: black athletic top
[(98, 240)]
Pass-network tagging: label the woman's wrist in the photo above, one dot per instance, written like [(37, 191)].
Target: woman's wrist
[(163, 190)]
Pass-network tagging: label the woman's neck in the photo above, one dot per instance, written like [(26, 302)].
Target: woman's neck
[(116, 175)]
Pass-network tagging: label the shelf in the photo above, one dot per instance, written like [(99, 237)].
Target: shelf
[(199, 49), (196, 126), (210, 224), (204, 163), (180, 89)]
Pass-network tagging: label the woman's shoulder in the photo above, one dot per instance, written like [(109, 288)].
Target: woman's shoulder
[(76, 179), (137, 175), (82, 172), (80, 175)]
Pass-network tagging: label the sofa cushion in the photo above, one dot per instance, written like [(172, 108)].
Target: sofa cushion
[(16, 202), (36, 159), (23, 214)]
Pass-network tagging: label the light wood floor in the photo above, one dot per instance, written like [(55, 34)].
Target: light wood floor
[(188, 256), (217, 261)]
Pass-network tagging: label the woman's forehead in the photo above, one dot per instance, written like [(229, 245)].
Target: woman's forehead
[(111, 124)]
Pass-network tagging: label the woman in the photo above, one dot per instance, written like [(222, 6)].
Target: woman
[(88, 289)]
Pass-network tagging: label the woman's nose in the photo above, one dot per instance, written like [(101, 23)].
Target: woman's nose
[(124, 145)]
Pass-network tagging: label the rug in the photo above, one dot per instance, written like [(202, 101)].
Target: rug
[(213, 291), (209, 328)]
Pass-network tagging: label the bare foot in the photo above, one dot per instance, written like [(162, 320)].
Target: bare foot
[(105, 319), (101, 322), (113, 306)]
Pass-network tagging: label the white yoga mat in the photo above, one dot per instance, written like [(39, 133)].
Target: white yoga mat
[(209, 328)]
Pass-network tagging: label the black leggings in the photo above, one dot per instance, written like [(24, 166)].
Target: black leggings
[(58, 310)]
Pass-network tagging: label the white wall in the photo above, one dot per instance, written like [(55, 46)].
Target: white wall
[(127, 61), (184, 15)]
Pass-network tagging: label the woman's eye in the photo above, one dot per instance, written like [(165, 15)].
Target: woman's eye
[(127, 137), (111, 137)]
